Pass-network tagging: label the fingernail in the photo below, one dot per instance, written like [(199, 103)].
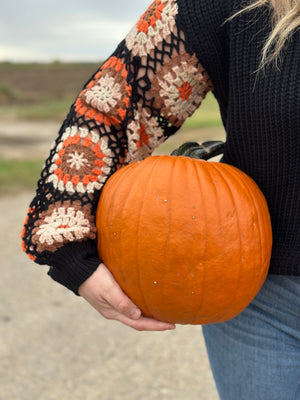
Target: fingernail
[(135, 313)]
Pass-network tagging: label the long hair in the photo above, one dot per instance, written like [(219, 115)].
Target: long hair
[(285, 21)]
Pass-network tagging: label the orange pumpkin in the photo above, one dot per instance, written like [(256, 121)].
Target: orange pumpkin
[(189, 241)]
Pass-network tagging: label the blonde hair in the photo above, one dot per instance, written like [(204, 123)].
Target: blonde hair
[(285, 20)]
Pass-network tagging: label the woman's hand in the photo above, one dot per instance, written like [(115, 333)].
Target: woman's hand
[(105, 295)]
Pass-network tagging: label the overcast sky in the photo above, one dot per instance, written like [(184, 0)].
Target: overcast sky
[(66, 30)]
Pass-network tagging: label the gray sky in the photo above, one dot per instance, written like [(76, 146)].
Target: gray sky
[(66, 30)]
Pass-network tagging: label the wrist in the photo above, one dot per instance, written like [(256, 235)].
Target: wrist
[(73, 264)]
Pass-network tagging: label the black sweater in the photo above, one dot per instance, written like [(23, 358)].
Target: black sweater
[(128, 107)]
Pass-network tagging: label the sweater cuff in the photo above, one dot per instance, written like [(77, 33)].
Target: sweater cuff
[(73, 263)]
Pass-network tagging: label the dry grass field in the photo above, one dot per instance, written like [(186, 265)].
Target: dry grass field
[(40, 91)]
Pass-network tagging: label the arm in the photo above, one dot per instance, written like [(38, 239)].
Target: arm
[(139, 97)]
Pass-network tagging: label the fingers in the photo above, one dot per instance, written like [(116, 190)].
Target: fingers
[(120, 302), (146, 324), (140, 324)]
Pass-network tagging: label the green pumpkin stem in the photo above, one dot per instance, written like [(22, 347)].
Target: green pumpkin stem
[(202, 151)]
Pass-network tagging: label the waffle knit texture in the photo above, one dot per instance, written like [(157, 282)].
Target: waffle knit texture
[(155, 79)]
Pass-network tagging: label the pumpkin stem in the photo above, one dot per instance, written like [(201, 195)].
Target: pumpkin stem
[(203, 151)]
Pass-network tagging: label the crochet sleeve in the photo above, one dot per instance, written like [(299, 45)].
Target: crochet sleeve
[(138, 98)]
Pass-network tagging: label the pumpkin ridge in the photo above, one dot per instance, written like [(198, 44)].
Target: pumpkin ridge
[(223, 177), (189, 166), (115, 183), (207, 170), (198, 169), (131, 188), (187, 169), (245, 185), (169, 199), (254, 202), (154, 161), (196, 166)]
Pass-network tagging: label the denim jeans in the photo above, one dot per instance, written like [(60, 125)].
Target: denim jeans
[(256, 356)]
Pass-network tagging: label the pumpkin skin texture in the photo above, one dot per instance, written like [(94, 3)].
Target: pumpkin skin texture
[(189, 241)]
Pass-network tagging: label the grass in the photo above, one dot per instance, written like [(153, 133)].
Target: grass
[(7, 92), (19, 174), (6, 65), (45, 110), (41, 91), (207, 115)]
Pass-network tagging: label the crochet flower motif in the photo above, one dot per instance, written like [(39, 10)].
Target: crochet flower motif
[(154, 26), (81, 162), (144, 135), (62, 223), (106, 98), (179, 87)]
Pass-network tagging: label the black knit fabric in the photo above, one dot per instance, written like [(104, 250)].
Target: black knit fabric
[(73, 264)]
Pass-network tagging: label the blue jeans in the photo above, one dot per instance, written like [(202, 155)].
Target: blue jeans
[(256, 356)]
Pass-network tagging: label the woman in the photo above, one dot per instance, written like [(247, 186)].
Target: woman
[(248, 54)]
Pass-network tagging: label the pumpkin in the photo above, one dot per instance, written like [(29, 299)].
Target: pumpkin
[(189, 241)]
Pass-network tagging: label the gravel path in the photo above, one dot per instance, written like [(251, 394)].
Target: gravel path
[(53, 346), (27, 139)]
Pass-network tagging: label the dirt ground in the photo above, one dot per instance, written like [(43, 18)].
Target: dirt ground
[(54, 346), (34, 83)]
